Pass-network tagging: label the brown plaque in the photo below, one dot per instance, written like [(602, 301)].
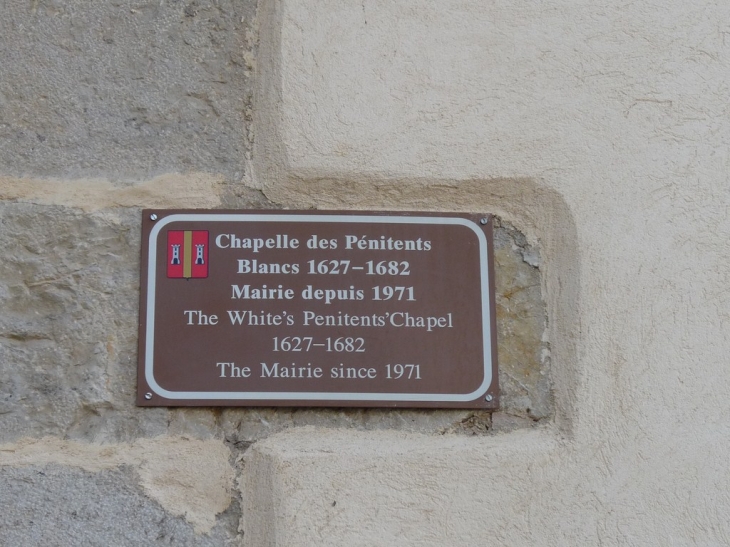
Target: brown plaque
[(314, 308)]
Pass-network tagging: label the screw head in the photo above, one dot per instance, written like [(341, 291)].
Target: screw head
[(153, 216), (483, 221), (148, 396), (489, 398)]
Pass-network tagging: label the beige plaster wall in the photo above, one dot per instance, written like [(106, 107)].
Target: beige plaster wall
[(602, 132)]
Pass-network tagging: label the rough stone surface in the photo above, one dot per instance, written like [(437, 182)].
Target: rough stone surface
[(69, 294), (170, 191), (190, 478), (59, 506), (125, 90), (524, 354), (69, 290), (67, 331)]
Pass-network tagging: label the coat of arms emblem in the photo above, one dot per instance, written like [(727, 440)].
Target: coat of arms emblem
[(187, 253)]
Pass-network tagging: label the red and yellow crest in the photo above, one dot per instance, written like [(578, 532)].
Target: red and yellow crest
[(187, 253)]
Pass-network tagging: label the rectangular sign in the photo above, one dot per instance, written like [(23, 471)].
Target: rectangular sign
[(313, 308)]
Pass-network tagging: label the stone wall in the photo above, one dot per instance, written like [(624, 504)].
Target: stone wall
[(106, 109), (597, 134)]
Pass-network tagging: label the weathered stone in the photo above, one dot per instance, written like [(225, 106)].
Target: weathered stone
[(67, 332), (55, 505), (245, 426), (189, 478), (68, 340), (524, 354), (125, 90), (503, 422)]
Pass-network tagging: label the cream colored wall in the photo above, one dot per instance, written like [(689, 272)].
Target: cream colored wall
[(602, 132)]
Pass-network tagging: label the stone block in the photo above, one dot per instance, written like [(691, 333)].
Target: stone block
[(54, 505), (69, 289), (68, 284), (126, 90)]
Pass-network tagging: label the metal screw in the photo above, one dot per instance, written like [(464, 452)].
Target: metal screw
[(154, 217), (148, 396), (483, 221), (489, 398)]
